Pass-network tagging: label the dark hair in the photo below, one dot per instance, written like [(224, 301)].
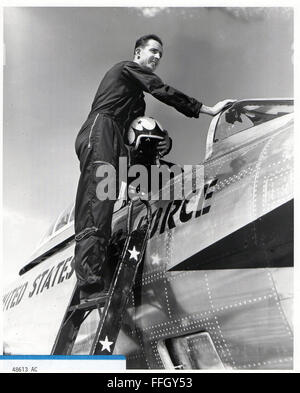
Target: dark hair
[(142, 41)]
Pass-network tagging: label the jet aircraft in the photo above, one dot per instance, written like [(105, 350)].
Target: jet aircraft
[(215, 290)]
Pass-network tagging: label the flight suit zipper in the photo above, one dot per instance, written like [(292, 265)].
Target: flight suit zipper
[(89, 145)]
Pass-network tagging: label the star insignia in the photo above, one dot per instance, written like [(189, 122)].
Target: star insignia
[(134, 253), (106, 344), (155, 259)]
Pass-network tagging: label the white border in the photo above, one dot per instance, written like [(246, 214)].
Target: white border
[(187, 3)]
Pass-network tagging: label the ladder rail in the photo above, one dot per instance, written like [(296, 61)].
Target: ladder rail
[(106, 318)]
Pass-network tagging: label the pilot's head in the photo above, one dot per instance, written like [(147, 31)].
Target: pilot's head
[(148, 51)]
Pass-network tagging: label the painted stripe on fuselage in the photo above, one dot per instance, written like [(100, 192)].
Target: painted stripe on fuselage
[(265, 242)]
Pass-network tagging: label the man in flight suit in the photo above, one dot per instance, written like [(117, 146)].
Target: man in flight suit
[(118, 101)]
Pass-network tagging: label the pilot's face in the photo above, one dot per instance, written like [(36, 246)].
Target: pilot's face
[(150, 54)]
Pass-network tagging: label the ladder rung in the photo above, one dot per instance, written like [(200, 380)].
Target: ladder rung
[(99, 301)]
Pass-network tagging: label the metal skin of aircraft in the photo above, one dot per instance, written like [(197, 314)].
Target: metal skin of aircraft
[(215, 290)]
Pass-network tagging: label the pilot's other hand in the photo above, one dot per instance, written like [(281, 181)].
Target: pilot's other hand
[(163, 146)]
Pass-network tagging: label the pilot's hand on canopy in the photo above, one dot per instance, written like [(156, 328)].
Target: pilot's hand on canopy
[(223, 105), (164, 146), (214, 110)]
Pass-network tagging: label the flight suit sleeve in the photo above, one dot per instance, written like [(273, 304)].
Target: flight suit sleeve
[(152, 84), (139, 108)]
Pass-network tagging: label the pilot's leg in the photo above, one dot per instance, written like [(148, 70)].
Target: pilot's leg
[(93, 216)]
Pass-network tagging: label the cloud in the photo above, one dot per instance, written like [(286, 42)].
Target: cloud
[(245, 14), (151, 12), (248, 14)]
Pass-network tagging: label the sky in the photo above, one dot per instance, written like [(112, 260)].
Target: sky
[(55, 59)]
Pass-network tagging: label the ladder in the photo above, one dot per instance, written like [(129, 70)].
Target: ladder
[(113, 303)]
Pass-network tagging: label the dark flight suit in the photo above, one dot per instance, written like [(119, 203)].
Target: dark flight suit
[(118, 101)]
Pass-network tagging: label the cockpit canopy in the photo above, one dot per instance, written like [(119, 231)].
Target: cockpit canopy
[(247, 114)]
